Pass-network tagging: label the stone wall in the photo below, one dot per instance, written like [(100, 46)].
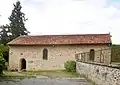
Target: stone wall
[(100, 74), (57, 55)]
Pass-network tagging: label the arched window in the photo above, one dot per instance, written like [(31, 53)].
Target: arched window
[(92, 55), (45, 54)]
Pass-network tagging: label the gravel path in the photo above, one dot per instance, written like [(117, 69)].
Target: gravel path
[(46, 81)]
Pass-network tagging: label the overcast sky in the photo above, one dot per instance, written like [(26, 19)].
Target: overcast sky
[(68, 16)]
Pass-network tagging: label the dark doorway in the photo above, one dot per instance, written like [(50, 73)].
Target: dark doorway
[(23, 64), (92, 55)]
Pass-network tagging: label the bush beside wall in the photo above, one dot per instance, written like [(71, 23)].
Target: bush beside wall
[(2, 63), (70, 66)]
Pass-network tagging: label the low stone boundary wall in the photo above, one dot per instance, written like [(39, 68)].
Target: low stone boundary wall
[(100, 74)]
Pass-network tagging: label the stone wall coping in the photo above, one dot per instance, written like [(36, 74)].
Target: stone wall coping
[(102, 64)]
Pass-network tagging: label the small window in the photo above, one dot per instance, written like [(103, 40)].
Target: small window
[(92, 55), (45, 54)]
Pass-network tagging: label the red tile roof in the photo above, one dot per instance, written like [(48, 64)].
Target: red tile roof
[(62, 39)]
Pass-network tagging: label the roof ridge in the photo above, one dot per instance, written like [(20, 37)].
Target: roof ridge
[(68, 35)]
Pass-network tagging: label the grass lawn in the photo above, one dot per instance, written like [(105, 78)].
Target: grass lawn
[(53, 73), (47, 73), (12, 75)]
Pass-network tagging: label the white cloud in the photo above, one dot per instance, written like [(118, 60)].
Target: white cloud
[(67, 16)]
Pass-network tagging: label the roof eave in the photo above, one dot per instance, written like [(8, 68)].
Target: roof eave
[(59, 44)]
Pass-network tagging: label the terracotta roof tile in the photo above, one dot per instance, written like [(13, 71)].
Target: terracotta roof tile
[(62, 39)]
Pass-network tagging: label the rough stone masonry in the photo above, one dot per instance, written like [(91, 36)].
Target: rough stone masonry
[(101, 75)]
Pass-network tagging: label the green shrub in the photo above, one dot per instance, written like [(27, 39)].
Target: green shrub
[(5, 51), (2, 63), (70, 66)]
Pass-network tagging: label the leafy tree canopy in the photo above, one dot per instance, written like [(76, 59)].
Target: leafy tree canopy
[(17, 21)]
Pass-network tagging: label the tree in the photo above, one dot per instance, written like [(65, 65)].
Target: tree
[(4, 34), (15, 28), (17, 21)]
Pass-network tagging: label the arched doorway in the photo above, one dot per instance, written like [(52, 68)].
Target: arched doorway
[(22, 64)]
